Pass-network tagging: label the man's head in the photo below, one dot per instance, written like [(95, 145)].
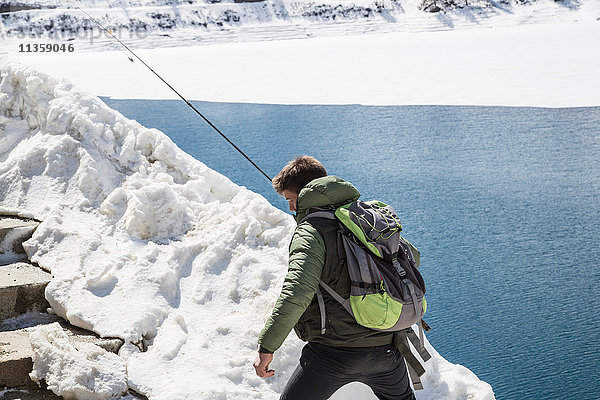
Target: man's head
[(295, 175)]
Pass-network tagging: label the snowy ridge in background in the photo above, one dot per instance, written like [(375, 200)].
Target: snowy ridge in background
[(150, 24), (147, 244)]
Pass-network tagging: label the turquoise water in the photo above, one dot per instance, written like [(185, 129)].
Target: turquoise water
[(502, 202)]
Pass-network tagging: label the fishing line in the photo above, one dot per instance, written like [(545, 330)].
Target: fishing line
[(176, 92)]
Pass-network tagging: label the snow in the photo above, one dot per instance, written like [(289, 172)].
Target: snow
[(147, 244), (82, 371), (543, 54)]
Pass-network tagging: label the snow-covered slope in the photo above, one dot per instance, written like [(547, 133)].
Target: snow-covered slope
[(149, 245)]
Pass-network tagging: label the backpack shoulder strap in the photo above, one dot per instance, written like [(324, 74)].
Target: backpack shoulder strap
[(328, 214), (344, 302), (319, 214)]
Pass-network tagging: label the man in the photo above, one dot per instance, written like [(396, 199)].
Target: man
[(344, 351)]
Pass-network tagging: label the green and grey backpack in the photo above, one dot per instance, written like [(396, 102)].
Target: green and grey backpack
[(387, 291)]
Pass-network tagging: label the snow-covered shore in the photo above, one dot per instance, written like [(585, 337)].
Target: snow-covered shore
[(543, 54), (147, 244)]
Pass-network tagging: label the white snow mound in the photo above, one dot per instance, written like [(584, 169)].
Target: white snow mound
[(147, 244), (75, 371)]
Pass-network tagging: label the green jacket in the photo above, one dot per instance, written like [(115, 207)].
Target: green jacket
[(313, 256)]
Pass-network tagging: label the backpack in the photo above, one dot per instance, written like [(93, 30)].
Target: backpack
[(387, 291)]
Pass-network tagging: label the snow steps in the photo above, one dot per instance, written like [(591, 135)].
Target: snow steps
[(13, 232), (16, 354), (22, 287), (22, 284), (23, 309)]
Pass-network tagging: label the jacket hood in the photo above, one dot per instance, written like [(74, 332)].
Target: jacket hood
[(326, 191)]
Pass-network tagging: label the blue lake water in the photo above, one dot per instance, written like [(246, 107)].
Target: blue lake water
[(502, 202)]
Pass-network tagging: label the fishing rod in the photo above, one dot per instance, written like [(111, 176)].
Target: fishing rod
[(173, 89)]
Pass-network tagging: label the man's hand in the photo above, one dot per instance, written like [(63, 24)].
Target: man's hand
[(261, 365)]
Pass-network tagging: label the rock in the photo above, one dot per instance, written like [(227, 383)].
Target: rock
[(22, 289)]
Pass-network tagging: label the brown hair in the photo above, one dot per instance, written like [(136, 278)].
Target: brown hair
[(297, 173)]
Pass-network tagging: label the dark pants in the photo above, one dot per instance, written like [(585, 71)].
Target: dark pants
[(324, 369)]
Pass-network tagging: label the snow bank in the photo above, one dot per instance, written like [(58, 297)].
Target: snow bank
[(147, 244), (82, 371)]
